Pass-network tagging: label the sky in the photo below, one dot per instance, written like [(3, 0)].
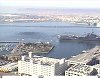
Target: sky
[(51, 3)]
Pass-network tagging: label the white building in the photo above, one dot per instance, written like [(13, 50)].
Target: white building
[(41, 66), (79, 70)]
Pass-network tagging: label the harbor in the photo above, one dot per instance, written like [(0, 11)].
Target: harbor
[(46, 34), (50, 38), (25, 48), (6, 46), (79, 65), (78, 51)]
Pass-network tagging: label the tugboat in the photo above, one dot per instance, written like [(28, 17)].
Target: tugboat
[(88, 37)]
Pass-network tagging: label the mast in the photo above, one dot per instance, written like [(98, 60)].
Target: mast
[(92, 31)]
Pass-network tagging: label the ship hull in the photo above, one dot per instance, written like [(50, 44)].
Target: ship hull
[(79, 39), (88, 37)]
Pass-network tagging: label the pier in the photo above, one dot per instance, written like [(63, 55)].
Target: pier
[(9, 42), (85, 57), (25, 48)]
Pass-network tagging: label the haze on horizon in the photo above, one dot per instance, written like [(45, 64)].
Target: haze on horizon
[(51, 3), (59, 6)]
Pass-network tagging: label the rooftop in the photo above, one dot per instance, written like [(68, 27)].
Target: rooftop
[(80, 68), (97, 65), (43, 60)]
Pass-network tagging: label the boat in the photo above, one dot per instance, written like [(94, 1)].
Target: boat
[(84, 51), (87, 37), (98, 24)]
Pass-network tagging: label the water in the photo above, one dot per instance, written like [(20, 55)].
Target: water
[(36, 32)]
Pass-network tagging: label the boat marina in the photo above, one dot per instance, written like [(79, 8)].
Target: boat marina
[(6, 46), (24, 48)]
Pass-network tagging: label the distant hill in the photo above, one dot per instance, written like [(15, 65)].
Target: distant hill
[(48, 11)]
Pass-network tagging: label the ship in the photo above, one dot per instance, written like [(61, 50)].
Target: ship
[(87, 37), (98, 24)]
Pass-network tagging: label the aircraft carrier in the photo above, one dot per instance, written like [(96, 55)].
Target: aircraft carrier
[(87, 37)]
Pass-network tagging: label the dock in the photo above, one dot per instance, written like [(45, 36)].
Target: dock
[(25, 48), (9, 42), (85, 57)]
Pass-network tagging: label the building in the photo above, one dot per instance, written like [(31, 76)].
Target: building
[(79, 70), (97, 67), (38, 65), (9, 67)]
